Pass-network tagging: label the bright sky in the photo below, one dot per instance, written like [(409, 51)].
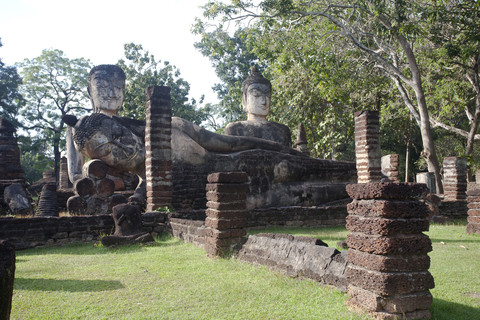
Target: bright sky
[(97, 30)]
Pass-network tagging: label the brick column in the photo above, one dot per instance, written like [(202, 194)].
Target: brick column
[(7, 277), (390, 166), (226, 212), (454, 178), (473, 199), (63, 175), (367, 146), (388, 266), (158, 149)]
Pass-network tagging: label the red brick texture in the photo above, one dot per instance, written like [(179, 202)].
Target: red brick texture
[(388, 266), (473, 199), (225, 224), (367, 146), (158, 150)]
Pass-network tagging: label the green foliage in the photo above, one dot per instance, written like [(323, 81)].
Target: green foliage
[(142, 71), (165, 209), (10, 97), (33, 158), (232, 59), (53, 85)]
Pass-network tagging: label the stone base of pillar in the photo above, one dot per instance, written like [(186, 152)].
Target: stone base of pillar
[(388, 274)]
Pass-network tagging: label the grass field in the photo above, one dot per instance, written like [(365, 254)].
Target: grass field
[(175, 280)]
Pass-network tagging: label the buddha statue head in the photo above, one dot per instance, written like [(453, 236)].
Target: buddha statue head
[(256, 96), (106, 87)]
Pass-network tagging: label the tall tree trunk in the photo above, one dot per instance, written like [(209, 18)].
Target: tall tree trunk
[(429, 152), (407, 153)]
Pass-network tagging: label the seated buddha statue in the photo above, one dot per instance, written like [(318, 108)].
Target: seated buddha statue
[(256, 98)]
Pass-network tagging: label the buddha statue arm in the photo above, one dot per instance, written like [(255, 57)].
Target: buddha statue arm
[(74, 158), (224, 143)]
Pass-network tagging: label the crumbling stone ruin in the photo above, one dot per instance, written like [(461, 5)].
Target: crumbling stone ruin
[(10, 169), (47, 203), (387, 272), (158, 148), (473, 199), (388, 266), (226, 212), (128, 226), (17, 199), (7, 276), (367, 146), (94, 194), (390, 167)]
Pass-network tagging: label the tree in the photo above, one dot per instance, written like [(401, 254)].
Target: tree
[(384, 32), (453, 59), (10, 97), (142, 71), (53, 85), (34, 158), (232, 59)]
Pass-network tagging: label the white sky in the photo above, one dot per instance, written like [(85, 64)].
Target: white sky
[(97, 30)]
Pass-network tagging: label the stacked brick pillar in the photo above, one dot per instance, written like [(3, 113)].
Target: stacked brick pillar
[(387, 271), (225, 225), (63, 174), (367, 146), (158, 149), (388, 266), (473, 199), (455, 178)]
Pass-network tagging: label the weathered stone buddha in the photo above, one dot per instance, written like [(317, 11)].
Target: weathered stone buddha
[(256, 98), (106, 87), (278, 175)]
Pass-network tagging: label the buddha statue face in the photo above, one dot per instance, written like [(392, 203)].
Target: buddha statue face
[(256, 96), (106, 86), (257, 101)]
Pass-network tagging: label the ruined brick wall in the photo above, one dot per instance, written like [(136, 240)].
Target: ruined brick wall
[(323, 180), (191, 231), (307, 217), (31, 232), (11, 171)]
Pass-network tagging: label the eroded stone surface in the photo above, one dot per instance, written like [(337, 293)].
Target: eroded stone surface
[(387, 190), (7, 276)]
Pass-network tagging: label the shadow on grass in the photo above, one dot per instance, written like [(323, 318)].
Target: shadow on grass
[(80, 248), (33, 284), (446, 310), (447, 241)]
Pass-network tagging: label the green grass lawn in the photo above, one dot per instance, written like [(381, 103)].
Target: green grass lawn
[(175, 280)]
